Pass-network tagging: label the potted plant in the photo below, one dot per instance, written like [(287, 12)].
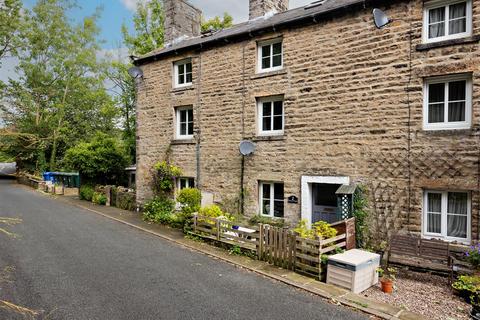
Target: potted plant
[(475, 302), (468, 287), (387, 278)]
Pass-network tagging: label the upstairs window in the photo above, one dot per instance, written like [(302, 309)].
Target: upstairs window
[(183, 73), (448, 103), (447, 215), (271, 199), (184, 120), (270, 55), (444, 20), (270, 116)]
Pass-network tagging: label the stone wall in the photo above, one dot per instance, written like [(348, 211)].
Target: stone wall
[(351, 109)]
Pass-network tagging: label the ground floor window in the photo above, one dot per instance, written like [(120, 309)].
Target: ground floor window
[(184, 183), (271, 199), (447, 215)]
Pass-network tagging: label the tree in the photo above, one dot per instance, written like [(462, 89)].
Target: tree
[(149, 35), (10, 25), (101, 160), (124, 97), (60, 97), (149, 28), (216, 23)]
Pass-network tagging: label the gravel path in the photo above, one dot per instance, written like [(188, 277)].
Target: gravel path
[(424, 293)]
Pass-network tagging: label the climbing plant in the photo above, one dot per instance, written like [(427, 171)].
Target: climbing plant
[(164, 178), (360, 212)]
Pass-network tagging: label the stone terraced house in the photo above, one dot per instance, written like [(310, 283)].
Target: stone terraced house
[(328, 100)]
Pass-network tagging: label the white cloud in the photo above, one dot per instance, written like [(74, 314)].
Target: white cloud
[(131, 4), (237, 8), (211, 8), (117, 54)]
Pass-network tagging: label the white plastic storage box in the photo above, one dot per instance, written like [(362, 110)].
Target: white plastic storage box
[(354, 269)]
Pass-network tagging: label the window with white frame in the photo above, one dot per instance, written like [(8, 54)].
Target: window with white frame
[(447, 215), (447, 103), (270, 55), (184, 122), (271, 199), (185, 182), (270, 116), (444, 20), (183, 73)]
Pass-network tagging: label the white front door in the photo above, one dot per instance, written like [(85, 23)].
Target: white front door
[(310, 209)]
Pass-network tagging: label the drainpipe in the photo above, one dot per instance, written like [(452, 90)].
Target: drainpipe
[(242, 193), (198, 109)]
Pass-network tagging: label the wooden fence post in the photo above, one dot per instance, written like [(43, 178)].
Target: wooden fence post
[(218, 229), (195, 223), (350, 234), (319, 258), (294, 250), (260, 241)]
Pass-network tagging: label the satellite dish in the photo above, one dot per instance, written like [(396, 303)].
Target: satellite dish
[(135, 72), (246, 147), (380, 18)]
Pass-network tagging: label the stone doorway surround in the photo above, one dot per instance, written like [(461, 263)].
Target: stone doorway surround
[(307, 194)]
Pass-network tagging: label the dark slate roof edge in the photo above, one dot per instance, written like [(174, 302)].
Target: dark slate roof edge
[(291, 17)]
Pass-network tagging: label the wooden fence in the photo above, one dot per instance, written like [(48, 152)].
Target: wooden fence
[(279, 246), (226, 231)]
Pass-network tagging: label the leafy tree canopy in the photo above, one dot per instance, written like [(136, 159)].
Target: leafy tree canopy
[(100, 160), (60, 98), (10, 26), (217, 23), (149, 28)]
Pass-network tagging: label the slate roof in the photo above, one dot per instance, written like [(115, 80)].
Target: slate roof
[(309, 13)]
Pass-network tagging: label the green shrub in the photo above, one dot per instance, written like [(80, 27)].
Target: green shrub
[(101, 160), (99, 198), (190, 200), (324, 230), (86, 192), (159, 210), (214, 211), (276, 222), (319, 229)]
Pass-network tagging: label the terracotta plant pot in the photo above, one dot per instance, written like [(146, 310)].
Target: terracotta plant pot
[(387, 285)]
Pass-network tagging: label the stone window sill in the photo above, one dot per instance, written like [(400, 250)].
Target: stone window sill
[(268, 74), (269, 138), (182, 89), (449, 132), (180, 141), (446, 43)]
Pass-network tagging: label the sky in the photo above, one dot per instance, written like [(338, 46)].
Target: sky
[(116, 12)]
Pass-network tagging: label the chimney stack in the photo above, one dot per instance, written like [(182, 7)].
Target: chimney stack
[(258, 8), (181, 20)]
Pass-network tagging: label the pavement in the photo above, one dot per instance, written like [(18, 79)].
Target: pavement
[(61, 258)]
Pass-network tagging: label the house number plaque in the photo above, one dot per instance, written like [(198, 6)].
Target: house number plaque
[(292, 199)]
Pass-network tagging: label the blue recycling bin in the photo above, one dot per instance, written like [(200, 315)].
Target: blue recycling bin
[(48, 176)]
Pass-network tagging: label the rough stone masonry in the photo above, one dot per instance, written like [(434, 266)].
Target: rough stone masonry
[(353, 107)]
